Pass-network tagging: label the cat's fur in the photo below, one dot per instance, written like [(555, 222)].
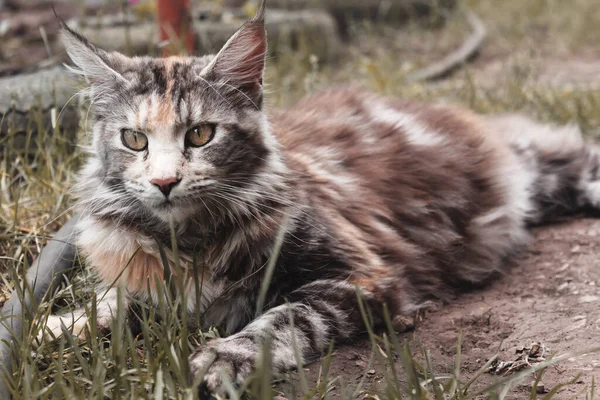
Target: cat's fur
[(407, 201)]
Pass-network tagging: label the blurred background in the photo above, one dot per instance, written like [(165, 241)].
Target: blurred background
[(460, 49), (539, 57)]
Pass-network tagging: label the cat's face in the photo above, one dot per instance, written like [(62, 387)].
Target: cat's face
[(168, 131)]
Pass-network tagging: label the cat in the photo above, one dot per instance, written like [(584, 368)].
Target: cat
[(406, 202)]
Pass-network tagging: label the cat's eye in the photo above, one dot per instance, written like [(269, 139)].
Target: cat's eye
[(200, 135), (133, 140)]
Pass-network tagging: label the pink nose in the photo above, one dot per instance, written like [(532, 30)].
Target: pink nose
[(165, 185)]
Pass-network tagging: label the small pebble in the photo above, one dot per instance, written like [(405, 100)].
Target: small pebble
[(563, 286), (564, 267), (540, 389), (589, 299)]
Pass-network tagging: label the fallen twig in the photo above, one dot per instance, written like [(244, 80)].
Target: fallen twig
[(455, 59), (528, 357)]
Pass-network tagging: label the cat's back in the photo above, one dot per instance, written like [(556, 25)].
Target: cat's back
[(368, 134), (400, 175)]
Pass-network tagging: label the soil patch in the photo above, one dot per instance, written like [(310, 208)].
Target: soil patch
[(551, 296)]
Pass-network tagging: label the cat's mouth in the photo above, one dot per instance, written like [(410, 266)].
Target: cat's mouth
[(163, 204), (169, 204), (180, 202), (166, 204), (171, 208)]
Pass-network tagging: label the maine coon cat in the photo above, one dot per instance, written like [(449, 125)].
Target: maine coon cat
[(409, 202)]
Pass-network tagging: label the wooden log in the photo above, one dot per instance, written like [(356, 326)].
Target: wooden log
[(29, 102), (393, 11), (384, 5), (283, 27)]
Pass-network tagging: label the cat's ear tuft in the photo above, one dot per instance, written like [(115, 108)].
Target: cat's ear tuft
[(261, 11), (98, 66), (241, 62)]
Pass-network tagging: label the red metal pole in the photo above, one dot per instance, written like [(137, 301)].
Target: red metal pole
[(175, 18)]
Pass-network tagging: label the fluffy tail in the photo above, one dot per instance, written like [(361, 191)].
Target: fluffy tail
[(561, 169)]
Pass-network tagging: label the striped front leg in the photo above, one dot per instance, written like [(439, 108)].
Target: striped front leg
[(319, 313)]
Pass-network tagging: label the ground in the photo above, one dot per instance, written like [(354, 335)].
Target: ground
[(550, 296), (541, 58)]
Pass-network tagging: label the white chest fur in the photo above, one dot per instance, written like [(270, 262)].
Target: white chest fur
[(123, 257)]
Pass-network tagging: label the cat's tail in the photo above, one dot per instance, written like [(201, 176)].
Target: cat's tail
[(558, 170)]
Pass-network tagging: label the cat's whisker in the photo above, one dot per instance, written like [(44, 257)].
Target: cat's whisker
[(80, 93), (284, 201), (243, 94), (241, 204), (213, 216), (87, 113), (240, 226), (260, 216), (214, 90)]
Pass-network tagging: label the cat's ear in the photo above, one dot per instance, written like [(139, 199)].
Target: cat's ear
[(98, 66), (241, 62)]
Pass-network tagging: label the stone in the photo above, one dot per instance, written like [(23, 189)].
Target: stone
[(589, 299), (402, 323)]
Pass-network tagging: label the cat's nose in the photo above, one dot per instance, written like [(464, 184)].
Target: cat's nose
[(165, 185)]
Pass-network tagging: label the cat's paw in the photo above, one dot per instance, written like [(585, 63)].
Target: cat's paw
[(52, 328), (232, 357)]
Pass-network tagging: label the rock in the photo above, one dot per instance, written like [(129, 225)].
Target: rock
[(402, 323), (540, 388), (589, 299), (564, 267)]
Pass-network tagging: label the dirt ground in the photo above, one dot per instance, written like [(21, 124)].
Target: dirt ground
[(551, 296)]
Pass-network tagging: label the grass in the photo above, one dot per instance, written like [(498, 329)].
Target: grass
[(527, 39)]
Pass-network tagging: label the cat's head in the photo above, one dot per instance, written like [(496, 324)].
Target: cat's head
[(167, 130)]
